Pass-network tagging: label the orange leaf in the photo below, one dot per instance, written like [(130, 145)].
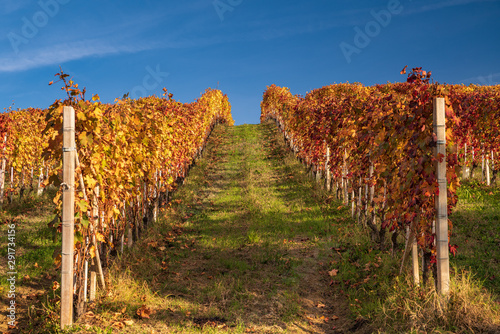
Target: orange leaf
[(144, 312)]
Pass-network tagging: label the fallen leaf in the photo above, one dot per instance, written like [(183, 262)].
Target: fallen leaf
[(118, 325), (334, 317), (90, 314), (128, 322), (333, 272), (321, 305), (144, 312)]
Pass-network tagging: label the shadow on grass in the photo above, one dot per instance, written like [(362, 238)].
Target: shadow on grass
[(242, 245)]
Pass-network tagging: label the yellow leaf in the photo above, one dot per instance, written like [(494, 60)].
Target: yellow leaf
[(81, 116), (116, 211), (57, 198), (98, 112), (92, 251), (58, 260), (99, 237), (90, 182)]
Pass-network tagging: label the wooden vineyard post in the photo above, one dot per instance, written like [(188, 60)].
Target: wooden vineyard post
[(412, 246), (345, 192), (327, 168), (86, 271), (2, 175), (414, 255), (492, 162), (359, 200), (353, 201), (39, 189), (2, 180), (68, 216), (93, 285), (482, 166), (465, 169), (11, 182), (443, 263), (488, 183)]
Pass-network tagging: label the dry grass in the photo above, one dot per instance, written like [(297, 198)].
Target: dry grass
[(468, 309)]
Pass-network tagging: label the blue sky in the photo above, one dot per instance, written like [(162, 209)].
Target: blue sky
[(240, 46)]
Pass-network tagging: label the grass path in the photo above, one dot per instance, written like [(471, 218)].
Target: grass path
[(250, 244), (244, 248)]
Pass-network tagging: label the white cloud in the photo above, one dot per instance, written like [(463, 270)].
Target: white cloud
[(440, 5), (488, 79), (59, 54)]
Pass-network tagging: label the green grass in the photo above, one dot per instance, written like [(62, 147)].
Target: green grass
[(369, 278), (35, 244), (476, 231)]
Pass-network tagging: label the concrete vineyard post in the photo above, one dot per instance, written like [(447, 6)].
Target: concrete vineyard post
[(68, 216), (443, 264)]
